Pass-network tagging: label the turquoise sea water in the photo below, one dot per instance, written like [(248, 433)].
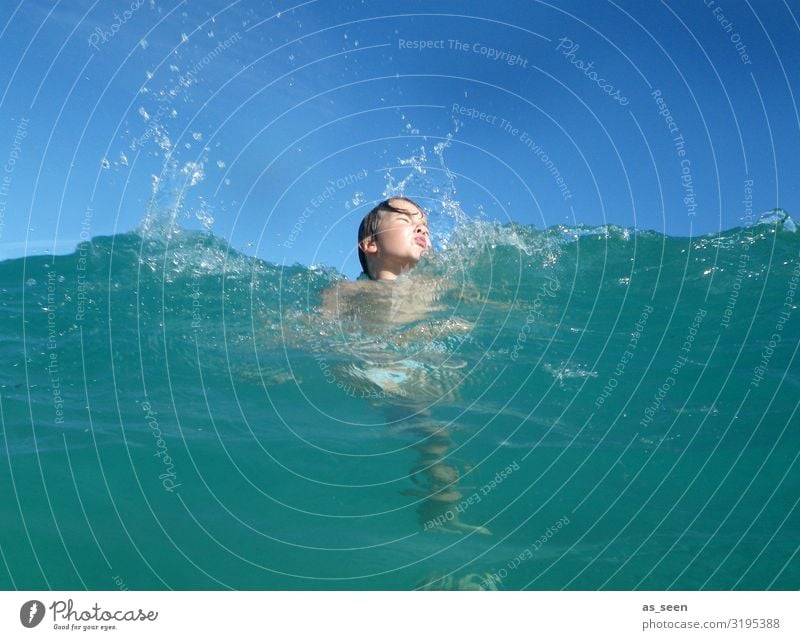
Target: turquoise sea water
[(576, 409)]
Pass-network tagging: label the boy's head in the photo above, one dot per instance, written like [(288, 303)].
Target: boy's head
[(392, 238)]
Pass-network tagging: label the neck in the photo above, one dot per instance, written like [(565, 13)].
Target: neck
[(387, 272)]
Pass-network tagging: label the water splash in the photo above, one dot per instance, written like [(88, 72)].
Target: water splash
[(779, 218)]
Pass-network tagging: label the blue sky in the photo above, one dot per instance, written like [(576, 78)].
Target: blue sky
[(285, 122)]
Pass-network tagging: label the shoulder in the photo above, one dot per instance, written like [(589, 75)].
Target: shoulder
[(343, 295)]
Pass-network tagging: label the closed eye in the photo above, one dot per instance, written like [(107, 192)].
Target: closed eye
[(410, 220)]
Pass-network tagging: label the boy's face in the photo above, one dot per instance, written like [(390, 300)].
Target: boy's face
[(402, 239)]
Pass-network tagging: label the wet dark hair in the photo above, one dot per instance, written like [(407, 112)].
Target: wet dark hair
[(369, 225)]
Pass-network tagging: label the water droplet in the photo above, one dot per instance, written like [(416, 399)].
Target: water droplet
[(194, 171)]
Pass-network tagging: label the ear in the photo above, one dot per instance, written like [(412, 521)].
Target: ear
[(369, 246)]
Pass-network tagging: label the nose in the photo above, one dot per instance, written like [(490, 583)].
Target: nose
[(422, 230)]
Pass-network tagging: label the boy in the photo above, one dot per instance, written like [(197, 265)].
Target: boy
[(392, 238)]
